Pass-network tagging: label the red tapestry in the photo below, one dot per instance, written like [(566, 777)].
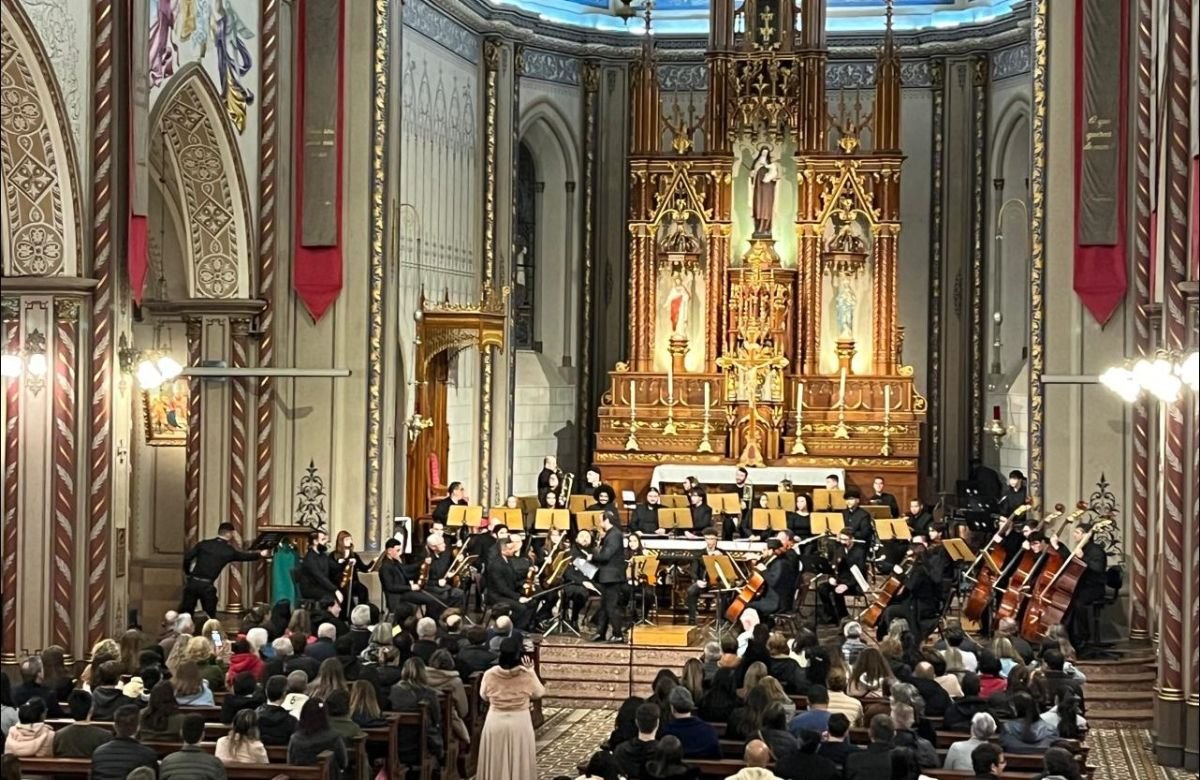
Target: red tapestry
[(317, 270), (1100, 266)]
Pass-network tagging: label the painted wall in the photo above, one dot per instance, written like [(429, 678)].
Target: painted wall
[(64, 28)]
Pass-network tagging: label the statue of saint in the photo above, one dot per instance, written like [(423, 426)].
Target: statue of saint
[(764, 175), (844, 302), (679, 299)]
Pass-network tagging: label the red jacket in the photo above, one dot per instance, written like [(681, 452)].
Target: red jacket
[(991, 683), (244, 662)]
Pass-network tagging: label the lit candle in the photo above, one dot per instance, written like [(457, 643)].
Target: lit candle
[(632, 397), (887, 398), (799, 397), (671, 381), (842, 390)]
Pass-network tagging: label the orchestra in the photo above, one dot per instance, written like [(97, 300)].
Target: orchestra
[(1020, 572)]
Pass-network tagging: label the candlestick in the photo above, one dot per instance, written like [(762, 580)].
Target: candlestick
[(669, 427), (632, 443), (887, 398), (671, 382), (705, 444), (886, 450), (842, 432), (798, 447)]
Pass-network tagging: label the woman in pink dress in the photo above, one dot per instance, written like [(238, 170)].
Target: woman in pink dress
[(508, 746)]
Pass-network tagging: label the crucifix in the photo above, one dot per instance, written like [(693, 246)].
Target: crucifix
[(749, 361)]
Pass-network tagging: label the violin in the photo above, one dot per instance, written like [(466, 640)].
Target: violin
[(423, 575), (985, 577), (1055, 591)]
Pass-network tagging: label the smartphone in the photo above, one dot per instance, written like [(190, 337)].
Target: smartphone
[(217, 640)]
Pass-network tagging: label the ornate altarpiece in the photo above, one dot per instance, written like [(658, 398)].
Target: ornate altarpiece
[(762, 290)]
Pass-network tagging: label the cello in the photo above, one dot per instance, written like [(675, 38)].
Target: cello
[(892, 587), (1055, 591), (1029, 564), (755, 583), (985, 578)]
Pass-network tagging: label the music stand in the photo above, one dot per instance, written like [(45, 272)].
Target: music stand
[(725, 503), (782, 500), (825, 500), (673, 501), (548, 519), (768, 519), (830, 523), (958, 550), (470, 516), (643, 566), (578, 503), (588, 521), (511, 518), (878, 511), (887, 529), (721, 568), (675, 519)]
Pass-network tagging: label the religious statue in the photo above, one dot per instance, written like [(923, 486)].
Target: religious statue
[(764, 176), (844, 302), (679, 299), (679, 235)]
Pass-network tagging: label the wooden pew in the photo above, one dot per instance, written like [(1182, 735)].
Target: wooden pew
[(82, 767)]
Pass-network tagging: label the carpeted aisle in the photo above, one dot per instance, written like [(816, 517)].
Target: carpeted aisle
[(570, 736)]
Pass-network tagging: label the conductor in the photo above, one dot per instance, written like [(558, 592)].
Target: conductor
[(202, 565), (610, 558)]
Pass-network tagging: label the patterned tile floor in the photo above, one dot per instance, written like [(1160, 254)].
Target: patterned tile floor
[(570, 736)]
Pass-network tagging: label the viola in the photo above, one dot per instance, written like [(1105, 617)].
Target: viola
[(423, 575), (985, 577), (1055, 591)]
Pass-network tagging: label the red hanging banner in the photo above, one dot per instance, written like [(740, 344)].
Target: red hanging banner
[(317, 260), (1101, 85), (137, 226)]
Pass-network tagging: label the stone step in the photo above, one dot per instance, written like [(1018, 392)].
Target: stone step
[(1120, 718)]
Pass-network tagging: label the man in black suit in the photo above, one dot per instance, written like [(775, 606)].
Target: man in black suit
[(858, 520), (919, 519), (438, 585), (398, 588), (701, 512), (316, 570), (202, 565), (882, 498), (833, 590), (503, 585), (1014, 496), (610, 574), (645, 515), (549, 468), (919, 602), (1091, 587), (876, 760), (456, 496)]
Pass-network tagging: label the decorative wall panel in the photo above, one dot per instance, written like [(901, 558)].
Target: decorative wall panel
[(63, 27)]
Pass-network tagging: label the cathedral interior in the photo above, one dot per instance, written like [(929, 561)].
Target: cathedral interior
[(308, 262)]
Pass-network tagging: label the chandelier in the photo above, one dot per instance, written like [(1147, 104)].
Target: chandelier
[(1163, 377)]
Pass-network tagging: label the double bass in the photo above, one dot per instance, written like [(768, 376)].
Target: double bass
[(1055, 591), (985, 577), (1030, 564)]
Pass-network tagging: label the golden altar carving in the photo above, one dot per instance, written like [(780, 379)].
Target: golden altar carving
[(763, 243)]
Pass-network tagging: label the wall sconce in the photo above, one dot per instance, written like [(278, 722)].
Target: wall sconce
[(31, 360), (151, 367), (1164, 377), (416, 424), (996, 428)]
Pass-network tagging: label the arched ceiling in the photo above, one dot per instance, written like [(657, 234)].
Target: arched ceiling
[(690, 17)]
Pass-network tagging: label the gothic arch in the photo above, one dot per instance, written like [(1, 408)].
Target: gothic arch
[(195, 157), (40, 226)]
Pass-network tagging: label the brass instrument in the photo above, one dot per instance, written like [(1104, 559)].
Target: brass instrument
[(565, 483)]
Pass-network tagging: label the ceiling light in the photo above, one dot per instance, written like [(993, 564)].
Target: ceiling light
[(148, 375)]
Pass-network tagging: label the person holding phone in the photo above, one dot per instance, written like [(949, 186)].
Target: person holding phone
[(202, 565), (508, 746)]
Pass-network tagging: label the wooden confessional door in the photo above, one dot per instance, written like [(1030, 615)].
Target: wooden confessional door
[(435, 440)]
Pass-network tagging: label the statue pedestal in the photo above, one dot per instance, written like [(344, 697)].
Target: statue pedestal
[(845, 354), (677, 347), (762, 253)]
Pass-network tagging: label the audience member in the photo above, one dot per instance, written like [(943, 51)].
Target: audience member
[(816, 717), (757, 757), (876, 760), (330, 677), (33, 684), (783, 667), (990, 679), (852, 644), (719, 700), (958, 657), (634, 754), (667, 763), (475, 656), (839, 700), (32, 736), (161, 720), (987, 762), (924, 679), (245, 696), (904, 719), (81, 738), (837, 745), (298, 660), (961, 711), (297, 693), (871, 675), (337, 707), (773, 731), (958, 755), (107, 695), (443, 678), (244, 659), (117, 758), (191, 689), (364, 704), (1027, 732), (192, 762), (698, 738), (1058, 762), (1056, 679), (313, 737), (54, 672), (711, 660), (275, 723), (8, 710), (243, 744), (323, 648), (360, 628), (408, 695)]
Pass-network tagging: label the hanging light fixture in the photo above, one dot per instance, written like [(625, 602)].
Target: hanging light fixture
[(1163, 377), (11, 365)]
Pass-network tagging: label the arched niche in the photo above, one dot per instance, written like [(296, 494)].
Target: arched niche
[(39, 220), (1009, 258)]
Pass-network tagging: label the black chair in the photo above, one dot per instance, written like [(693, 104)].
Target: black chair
[(1096, 649)]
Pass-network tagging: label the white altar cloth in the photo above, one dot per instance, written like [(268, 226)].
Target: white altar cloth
[(674, 473)]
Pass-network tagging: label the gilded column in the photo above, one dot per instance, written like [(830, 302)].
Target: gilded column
[(1169, 709), (591, 94), (1037, 258), (380, 67), (239, 348), (1139, 620), (191, 467), (66, 459), (937, 71), (104, 173), (492, 49), (267, 146), (10, 533), (979, 96)]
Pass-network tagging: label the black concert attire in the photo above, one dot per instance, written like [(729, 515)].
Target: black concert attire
[(886, 499), (859, 521), (502, 588), (770, 599), (610, 559), (439, 567), (701, 517), (919, 603), (845, 559), (644, 519), (355, 593), (441, 510), (699, 575), (800, 524), (636, 591), (398, 589), (201, 567), (575, 588), (1011, 500), (1090, 590), (919, 524), (316, 575), (543, 480)]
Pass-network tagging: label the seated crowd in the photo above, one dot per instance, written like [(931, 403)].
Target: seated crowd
[(286, 680), (739, 701)]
